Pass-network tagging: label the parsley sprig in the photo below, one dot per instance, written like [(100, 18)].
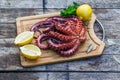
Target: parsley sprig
[(70, 10)]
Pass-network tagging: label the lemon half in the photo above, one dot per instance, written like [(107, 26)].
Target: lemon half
[(30, 51), (24, 38)]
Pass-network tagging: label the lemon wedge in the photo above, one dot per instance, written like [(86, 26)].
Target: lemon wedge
[(30, 51), (24, 38)]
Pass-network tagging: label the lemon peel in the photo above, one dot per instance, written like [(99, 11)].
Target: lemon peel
[(30, 51), (24, 38)]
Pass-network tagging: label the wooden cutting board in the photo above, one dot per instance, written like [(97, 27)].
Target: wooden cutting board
[(49, 56)]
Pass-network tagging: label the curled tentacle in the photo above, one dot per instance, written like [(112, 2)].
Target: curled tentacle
[(47, 30), (57, 18), (40, 39), (60, 36), (74, 18), (65, 30), (82, 38), (82, 33), (56, 41), (71, 51), (79, 26), (61, 46), (41, 24), (72, 25)]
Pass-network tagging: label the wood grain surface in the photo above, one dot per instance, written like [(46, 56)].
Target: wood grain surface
[(107, 11)]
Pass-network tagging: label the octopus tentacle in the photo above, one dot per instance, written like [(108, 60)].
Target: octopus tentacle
[(82, 33), (72, 25), (59, 36), (61, 46), (39, 41), (41, 24), (82, 38), (71, 51), (56, 41), (57, 18), (78, 27), (47, 30), (65, 30)]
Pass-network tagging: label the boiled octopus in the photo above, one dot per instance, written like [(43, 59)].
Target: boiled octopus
[(62, 34)]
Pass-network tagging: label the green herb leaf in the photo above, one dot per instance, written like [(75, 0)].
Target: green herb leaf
[(90, 47), (70, 10), (76, 4)]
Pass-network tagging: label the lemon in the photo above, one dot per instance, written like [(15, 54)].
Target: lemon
[(30, 51), (84, 12), (24, 38)]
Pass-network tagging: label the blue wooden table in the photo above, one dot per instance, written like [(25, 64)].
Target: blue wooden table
[(99, 68)]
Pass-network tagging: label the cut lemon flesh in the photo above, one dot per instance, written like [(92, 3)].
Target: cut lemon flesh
[(30, 51), (24, 38)]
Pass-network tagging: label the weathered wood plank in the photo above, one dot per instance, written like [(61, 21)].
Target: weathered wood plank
[(3, 61), (21, 3), (93, 3), (23, 76), (7, 30), (34, 76), (94, 76), (9, 42), (111, 15), (98, 3), (103, 63), (58, 67), (60, 76), (52, 10), (55, 3), (10, 15)]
